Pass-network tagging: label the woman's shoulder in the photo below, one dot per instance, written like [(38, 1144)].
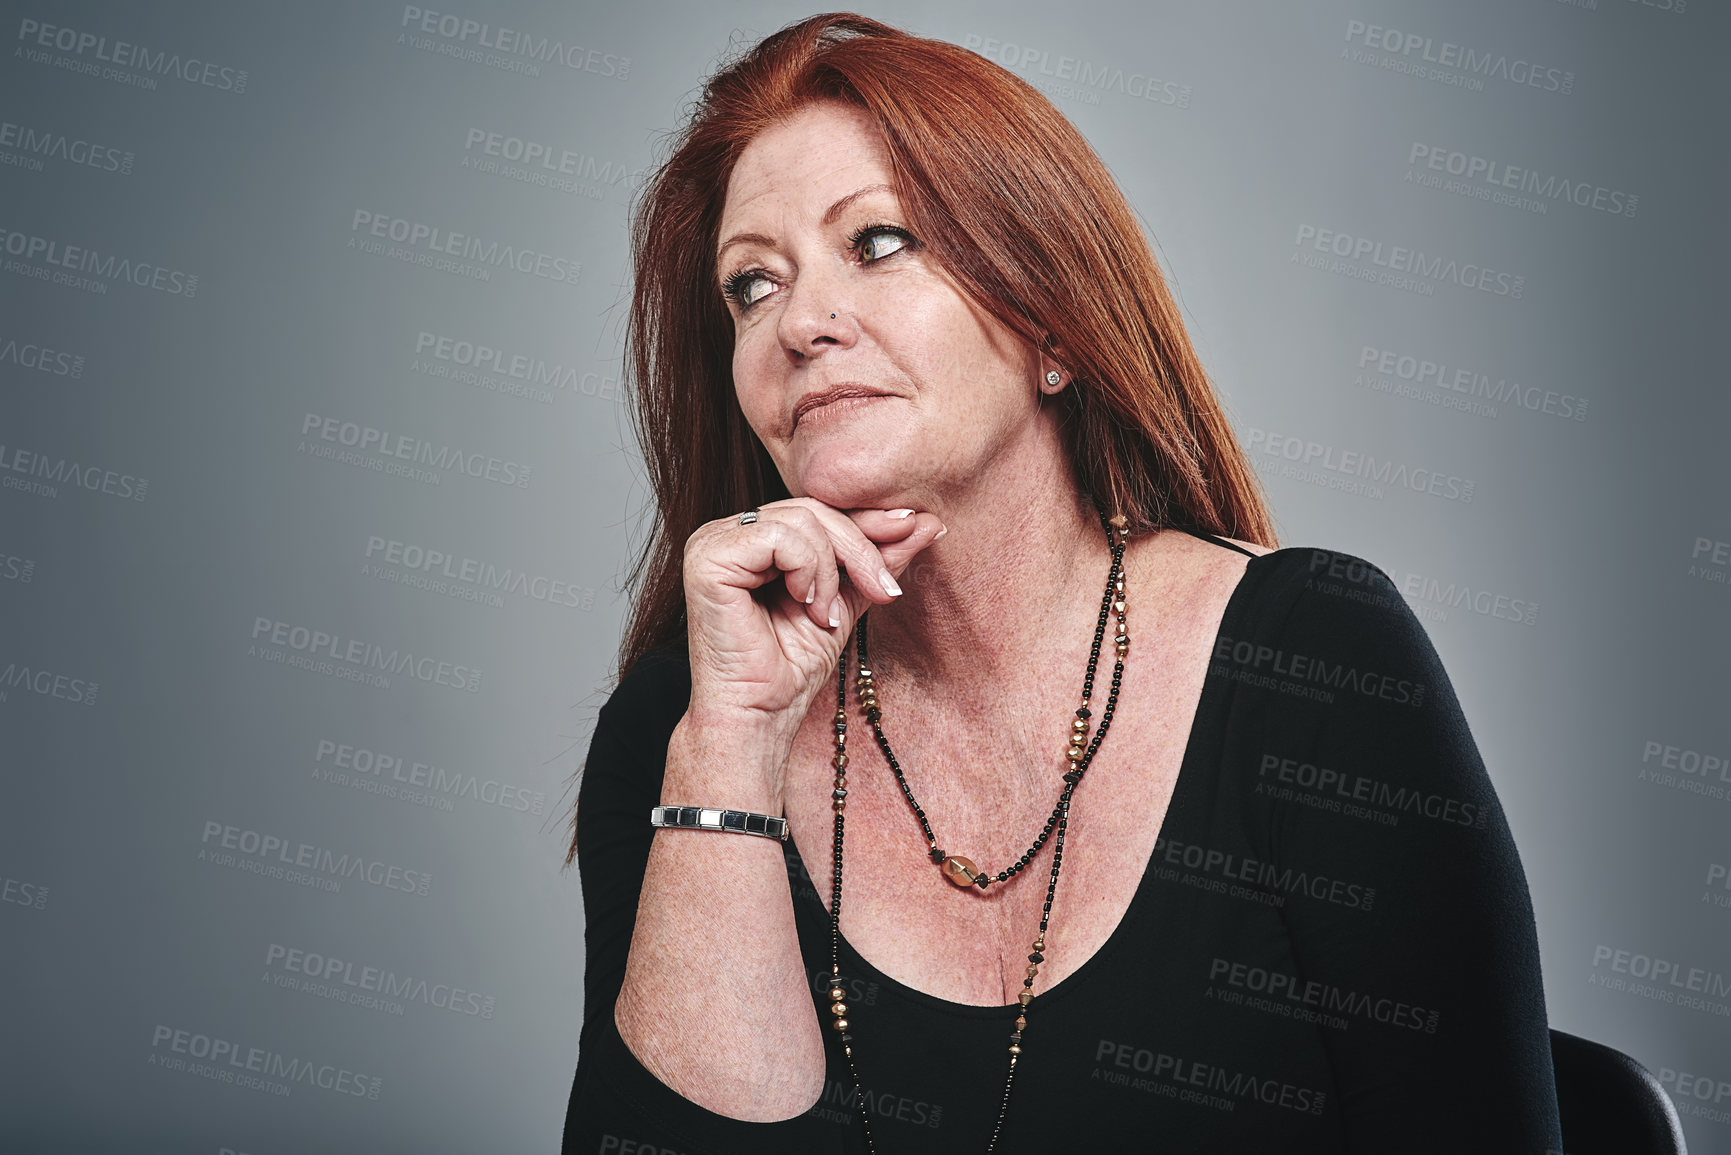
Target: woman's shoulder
[(1334, 604)]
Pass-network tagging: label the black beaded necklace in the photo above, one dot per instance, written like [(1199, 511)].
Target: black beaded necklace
[(957, 869)]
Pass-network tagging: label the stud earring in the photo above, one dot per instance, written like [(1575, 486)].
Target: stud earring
[(1053, 377)]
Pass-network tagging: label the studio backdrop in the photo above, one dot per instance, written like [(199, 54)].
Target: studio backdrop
[(317, 490)]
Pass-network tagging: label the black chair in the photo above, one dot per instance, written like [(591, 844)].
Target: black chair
[(1609, 1104)]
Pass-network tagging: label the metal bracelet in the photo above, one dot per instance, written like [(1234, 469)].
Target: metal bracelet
[(705, 818)]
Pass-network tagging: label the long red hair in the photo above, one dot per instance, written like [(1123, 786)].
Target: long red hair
[(1011, 200)]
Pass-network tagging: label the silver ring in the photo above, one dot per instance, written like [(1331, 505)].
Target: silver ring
[(748, 517)]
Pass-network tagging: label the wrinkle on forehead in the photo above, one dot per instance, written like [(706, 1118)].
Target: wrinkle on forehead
[(821, 153)]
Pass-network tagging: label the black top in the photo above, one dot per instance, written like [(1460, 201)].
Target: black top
[(1331, 949)]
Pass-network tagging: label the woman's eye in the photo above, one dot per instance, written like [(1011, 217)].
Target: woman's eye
[(881, 243), (753, 290), (746, 288)]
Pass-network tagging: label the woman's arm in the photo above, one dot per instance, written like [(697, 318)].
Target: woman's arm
[(715, 998), (691, 991), (1448, 1044)]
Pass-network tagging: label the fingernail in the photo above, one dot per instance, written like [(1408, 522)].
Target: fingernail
[(811, 594), (898, 514), (889, 583), (835, 612), (940, 533)]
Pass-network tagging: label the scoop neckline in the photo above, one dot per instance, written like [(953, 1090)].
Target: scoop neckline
[(1140, 898)]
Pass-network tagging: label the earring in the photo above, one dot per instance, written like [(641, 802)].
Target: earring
[(1053, 377)]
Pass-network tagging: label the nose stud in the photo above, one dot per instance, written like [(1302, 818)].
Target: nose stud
[(832, 316)]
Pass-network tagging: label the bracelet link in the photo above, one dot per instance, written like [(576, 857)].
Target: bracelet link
[(709, 818)]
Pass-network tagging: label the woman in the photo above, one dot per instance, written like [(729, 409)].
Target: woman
[(1232, 879)]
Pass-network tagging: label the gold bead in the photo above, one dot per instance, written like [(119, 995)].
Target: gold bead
[(840, 1024), (1118, 605), (841, 715), (1021, 1023), (1080, 725), (838, 805), (838, 1008), (840, 761), (836, 994), (1033, 970), (959, 870), (1025, 997), (1015, 1048)]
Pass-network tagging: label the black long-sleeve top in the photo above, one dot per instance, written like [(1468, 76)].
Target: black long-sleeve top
[(1332, 947)]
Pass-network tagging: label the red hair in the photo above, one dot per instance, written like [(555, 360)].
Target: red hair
[(1009, 198)]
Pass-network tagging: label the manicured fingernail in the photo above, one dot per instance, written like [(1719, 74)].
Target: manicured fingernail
[(810, 595), (940, 533), (835, 612), (898, 514), (889, 583)]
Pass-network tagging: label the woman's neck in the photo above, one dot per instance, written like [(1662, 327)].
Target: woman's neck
[(1008, 597)]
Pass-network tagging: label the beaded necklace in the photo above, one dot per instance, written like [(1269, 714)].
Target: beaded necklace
[(957, 869)]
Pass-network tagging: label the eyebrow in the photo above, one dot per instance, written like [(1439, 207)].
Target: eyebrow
[(830, 215)]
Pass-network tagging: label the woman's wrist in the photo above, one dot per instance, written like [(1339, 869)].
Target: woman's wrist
[(725, 762)]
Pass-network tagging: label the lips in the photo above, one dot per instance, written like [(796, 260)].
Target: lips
[(834, 393)]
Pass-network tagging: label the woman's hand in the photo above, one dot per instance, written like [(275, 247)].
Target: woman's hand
[(769, 610)]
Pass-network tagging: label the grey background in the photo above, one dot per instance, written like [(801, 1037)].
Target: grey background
[(121, 920)]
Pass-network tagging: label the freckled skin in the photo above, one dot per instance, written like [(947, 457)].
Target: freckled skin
[(963, 385)]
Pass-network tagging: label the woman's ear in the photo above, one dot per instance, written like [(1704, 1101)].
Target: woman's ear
[(1055, 371)]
